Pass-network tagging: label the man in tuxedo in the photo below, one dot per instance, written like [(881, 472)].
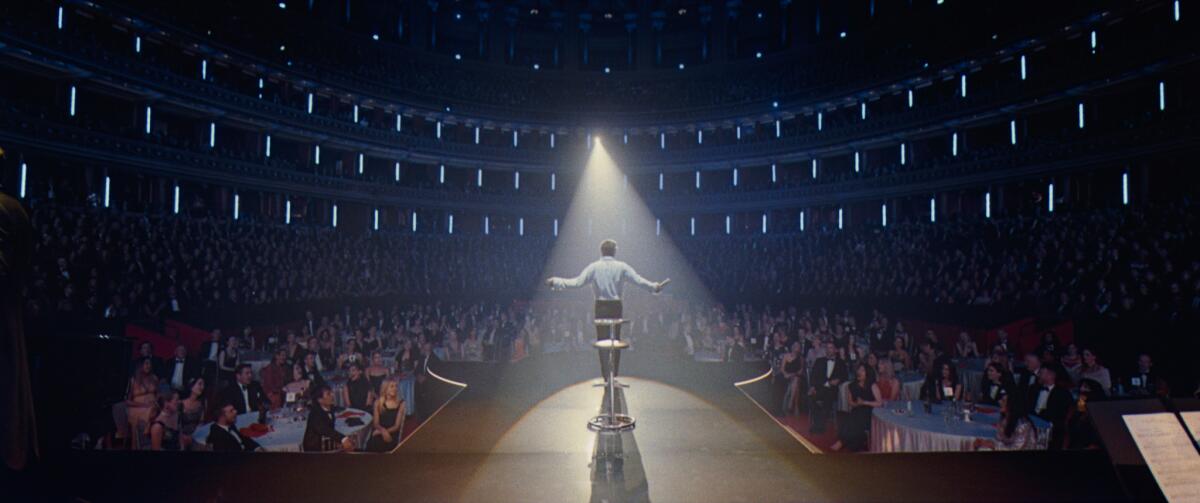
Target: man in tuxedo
[(320, 431), (827, 373), (146, 351), (1003, 342), (1026, 379), (208, 358), (223, 435), (245, 394), (1144, 380), (1052, 402), (181, 369)]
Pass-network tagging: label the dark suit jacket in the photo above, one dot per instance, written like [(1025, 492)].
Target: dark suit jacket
[(191, 368), (320, 425), (1058, 404), (233, 394), (818, 377), (225, 441)]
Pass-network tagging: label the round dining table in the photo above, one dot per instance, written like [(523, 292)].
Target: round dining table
[(286, 429), (895, 429)]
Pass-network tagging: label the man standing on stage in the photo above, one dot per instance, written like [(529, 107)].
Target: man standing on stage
[(607, 276)]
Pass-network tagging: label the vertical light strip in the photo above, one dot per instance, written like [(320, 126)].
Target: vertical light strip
[(287, 212), (556, 227), (376, 224), (515, 138), (910, 98), (624, 138), (335, 215), (820, 121), (441, 173), (361, 162), (700, 137), (1093, 41), (764, 223), (553, 182), (1081, 116), (801, 220), (1125, 188), (356, 114), (451, 227), (204, 69), (884, 214), (954, 144), (962, 85), (657, 227), (1050, 197), (137, 44), (212, 134), (487, 225), (774, 174), (987, 205), (662, 140), (439, 130), (24, 175), (479, 177), (814, 168), (237, 206), (932, 210), (72, 107), (310, 103), (477, 135), (414, 221), (1023, 68), (660, 181), (1162, 96), (59, 21), (840, 221), (738, 130), (397, 170), (175, 200), (268, 146), (1012, 131), (149, 113), (316, 154), (863, 110), (517, 180), (551, 140), (399, 125), (1176, 10), (693, 226), (857, 162), (697, 179), (107, 190), (903, 156), (521, 226), (735, 177), (778, 129)]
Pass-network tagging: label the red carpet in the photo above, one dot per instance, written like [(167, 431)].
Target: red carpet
[(824, 441)]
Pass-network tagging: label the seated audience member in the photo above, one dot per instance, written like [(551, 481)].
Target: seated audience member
[(350, 356), (864, 397), (1051, 401), (1014, 432), (223, 435), (942, 384), (1144, 379), (889, 386), (1001, 358), (1072, 361), (473, 347), (141, 398), (319, 433), (146, 352), (311, 372), (827, 373), (1092, 369), (926, 357), (357, 394), (1003, 343), (228, 361), (388, 420), (965, 347), (996, 383), (275, 376), (1027, 378), (322, 360), (899, 356), (192, 411), (244, 393), (181, 369), (298, 385), (791, 367), (1049, 346), (165, 428), (1081, 432), (377, 372)]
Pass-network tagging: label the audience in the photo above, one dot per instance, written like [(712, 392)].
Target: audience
[(165, 429), (1052, 402), (319, 433), (223, 435), (245, 393), (388, 418)]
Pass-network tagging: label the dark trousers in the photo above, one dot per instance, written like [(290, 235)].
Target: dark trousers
[(608, 309), (823, 403)]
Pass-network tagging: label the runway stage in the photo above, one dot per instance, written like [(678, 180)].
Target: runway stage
[(519, 432)]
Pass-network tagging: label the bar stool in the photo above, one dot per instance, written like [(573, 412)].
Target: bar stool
[(611, 421), (609, 323)]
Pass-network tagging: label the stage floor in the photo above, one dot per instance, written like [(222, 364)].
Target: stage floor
[(519, 432)]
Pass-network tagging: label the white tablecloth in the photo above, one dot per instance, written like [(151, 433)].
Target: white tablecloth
[(288, 430), (932, 432)]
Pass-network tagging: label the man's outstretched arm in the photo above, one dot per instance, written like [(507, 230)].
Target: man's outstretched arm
[(637, 279), (583, 278)]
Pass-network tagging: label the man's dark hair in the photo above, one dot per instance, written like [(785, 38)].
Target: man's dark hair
[(608, 248), (239, 368)]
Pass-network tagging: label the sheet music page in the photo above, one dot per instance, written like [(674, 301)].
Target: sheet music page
[(1169, 454)]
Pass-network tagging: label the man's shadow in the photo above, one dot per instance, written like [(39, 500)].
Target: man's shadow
[(617, 472)]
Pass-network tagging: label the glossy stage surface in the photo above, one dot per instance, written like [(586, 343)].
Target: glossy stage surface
[(518, 432)]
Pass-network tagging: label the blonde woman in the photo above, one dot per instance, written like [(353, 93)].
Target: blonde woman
[(889, 386), (142, 399), (388, 420)]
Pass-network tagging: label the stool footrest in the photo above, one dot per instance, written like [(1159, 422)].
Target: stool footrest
[(611, 422)]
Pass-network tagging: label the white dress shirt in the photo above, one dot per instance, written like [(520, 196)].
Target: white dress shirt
[(177, 375), (1042, 399), (606, 275)]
